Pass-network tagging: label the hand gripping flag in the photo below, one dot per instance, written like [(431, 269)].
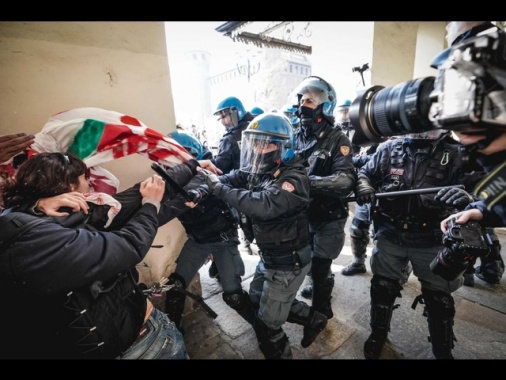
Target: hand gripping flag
[(97, 136)]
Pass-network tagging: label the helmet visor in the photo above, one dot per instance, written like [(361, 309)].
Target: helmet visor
[(261, 152)]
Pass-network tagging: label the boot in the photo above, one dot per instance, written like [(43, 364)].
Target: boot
[(274, 344), (213, 271), (383, 294), (491, 268), (440, 312), (323, 283), (175, 300), (353, 269), (313, 324), (359, 238), (307, 291), (242, 305)]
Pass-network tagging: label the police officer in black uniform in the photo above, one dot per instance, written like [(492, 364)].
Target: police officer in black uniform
[(234, 117), (361, 222), (327, 154), (272, 188), (211, 228), (407, 229)]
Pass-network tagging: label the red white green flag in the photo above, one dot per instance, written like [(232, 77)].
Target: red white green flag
[(97, 136)]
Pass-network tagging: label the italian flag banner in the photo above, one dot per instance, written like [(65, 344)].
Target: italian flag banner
[(97, 136)]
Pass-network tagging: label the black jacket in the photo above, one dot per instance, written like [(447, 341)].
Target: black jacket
[(277, 205), (399, 165), (329, 165), (47, 266), (229, 154)]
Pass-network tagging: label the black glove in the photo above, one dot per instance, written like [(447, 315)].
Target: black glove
[(211, 179), (364, 192), (454, 196), (196, 195)]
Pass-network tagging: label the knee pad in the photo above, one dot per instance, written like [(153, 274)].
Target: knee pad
[(384, 290), (438, 305), (236, 301)]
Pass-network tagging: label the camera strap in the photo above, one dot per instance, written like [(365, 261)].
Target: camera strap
[(493, 188)]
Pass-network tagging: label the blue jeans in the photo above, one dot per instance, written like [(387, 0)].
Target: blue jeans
[(163, 341)]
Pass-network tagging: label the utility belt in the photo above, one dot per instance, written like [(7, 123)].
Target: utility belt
[(409, 226), (203, 238), (285, 261)]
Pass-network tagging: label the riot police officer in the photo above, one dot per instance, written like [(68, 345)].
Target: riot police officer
[(211, 228), (272, 188), (327, 154), (407, 230), (361, 222), (234, 117)]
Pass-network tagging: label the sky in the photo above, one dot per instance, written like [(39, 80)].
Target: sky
[(349, 44), (200, 35)]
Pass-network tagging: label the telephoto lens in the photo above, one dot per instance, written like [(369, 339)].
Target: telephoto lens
[(449, 264)]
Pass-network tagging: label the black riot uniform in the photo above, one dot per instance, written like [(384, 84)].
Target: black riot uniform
[(327, 154), (361, 222), (272, 189), (407, 230)]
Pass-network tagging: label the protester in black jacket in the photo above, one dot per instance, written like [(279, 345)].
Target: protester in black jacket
[(71, 286)]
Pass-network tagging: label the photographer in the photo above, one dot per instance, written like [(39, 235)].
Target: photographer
[(488, 144), (407, 229), (488, 148)]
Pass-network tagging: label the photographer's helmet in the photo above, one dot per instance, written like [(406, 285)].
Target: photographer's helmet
[(266, 143), (233, 107), (322, 93), (190, 143)]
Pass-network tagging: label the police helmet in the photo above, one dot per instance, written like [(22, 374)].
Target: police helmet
[(231, 106), (266, 143), (321, 91), (255, 111), (190, 143)]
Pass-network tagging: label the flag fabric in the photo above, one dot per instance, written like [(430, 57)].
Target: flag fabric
[(97, 136)]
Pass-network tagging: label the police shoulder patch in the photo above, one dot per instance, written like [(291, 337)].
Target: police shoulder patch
[(345, 150)]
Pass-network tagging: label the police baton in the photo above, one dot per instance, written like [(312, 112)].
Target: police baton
[(428, 190), (163, 173)]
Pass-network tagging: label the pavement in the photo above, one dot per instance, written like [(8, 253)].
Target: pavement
[(480, 321)]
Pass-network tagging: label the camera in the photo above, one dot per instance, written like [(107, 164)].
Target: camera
[(469, 91), (462, 243)]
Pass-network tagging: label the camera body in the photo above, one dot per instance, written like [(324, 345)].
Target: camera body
[(462, 243), (469, 91)]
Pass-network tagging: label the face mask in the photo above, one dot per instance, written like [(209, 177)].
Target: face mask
[(307, 116)]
